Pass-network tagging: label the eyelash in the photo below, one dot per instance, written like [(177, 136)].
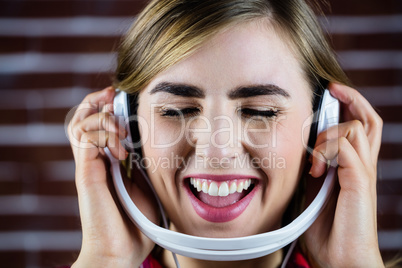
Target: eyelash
[(186, 112), (250, 113), (245, 112)]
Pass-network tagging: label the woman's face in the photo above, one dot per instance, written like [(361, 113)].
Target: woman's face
[(227, 120)]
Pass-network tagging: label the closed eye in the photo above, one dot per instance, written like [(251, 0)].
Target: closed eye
[(253, 113), (185, 112), (193, 111)]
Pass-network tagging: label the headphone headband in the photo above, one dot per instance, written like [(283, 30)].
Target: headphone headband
[(224, 249)]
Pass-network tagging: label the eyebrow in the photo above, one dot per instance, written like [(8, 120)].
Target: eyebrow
[(182, 90), (257, 90), (190, 91)]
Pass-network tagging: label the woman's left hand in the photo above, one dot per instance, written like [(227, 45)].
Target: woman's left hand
[(345, 234)]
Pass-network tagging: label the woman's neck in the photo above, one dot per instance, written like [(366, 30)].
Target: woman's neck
[(272, 260)]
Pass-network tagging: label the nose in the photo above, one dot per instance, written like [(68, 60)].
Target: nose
[(218, 138)]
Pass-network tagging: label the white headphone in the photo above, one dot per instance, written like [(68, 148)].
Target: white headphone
[(225, 249)]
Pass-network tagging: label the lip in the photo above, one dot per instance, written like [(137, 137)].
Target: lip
[(225, 177), (220, 214)]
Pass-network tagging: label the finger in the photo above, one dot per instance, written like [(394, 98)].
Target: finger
[(92, 103), (93, 140), (354, 173), (99, 121), (354, 132), (322, 156), (355, 106), (329, 151)]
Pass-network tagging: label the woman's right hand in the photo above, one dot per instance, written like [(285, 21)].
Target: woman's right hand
[(109, 238)]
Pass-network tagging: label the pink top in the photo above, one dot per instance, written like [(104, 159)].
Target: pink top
[(297, 260)]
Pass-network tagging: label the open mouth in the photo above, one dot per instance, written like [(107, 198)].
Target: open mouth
[(220, 200), (220, 194)]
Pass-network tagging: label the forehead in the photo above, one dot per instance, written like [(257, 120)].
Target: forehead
[(252, 52)]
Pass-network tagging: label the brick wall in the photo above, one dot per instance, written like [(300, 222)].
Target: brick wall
[(52, 53)]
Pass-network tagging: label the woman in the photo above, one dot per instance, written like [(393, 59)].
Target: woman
[(222, 85)]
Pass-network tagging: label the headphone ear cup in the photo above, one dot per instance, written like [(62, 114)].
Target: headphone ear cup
[(326, 114), (121, 112), (329, 112), (134, 132), (318, 96)]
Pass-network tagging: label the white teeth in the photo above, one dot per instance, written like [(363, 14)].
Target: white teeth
[(233, 188), (240, 187), (246, 184), (205, 187), (213, 189), (199, 186), (223, 189)]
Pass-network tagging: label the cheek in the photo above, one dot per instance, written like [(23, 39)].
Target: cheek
[(165, 150), (166, 134), (281, 136), (281, 150), (291, 144), (165, 154)]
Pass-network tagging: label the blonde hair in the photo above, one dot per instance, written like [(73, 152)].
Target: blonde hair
[(168, 31)]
